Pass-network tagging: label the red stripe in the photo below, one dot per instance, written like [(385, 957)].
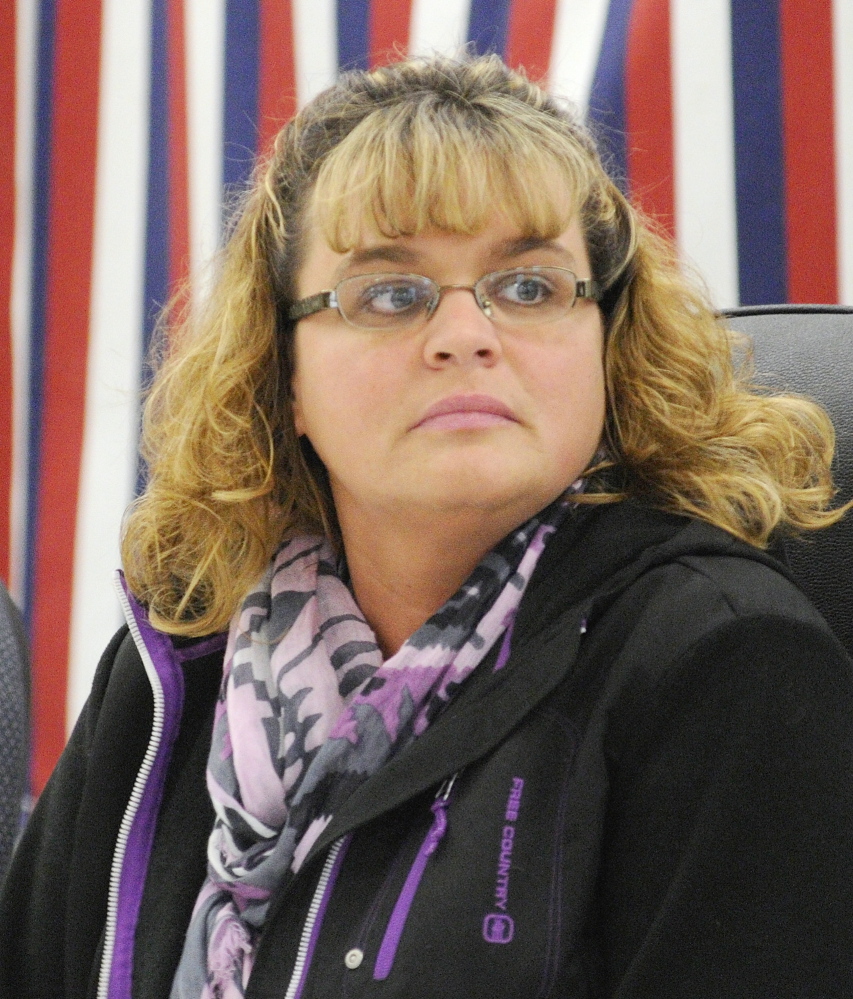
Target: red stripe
[(529, 36), (7, 233), (809, 140), (389, 30), (648, 111), (179, 223), (69, 272), (277, 73)]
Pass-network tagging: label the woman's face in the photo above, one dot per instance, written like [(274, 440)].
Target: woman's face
[(457, 416)]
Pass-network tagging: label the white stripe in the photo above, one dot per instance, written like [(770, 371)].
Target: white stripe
[(315, 47), (205, 62), (843, 72), (25, 97), (704, 143), (438, 26), (112, 385), (578, 31)]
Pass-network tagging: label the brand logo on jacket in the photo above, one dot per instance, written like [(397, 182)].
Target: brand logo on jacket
[(498, 927)]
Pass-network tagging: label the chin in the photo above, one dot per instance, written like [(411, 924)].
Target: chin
[(489, 496), (496, 481)]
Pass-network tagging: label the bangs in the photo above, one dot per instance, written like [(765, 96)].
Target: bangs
[(410, 168)]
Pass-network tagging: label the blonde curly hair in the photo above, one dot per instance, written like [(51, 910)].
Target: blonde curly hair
[(422, 143)]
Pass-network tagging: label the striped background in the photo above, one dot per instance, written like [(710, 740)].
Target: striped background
[(730, 120)]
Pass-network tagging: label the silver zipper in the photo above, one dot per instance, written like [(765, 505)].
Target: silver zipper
[(311, 919), (135, 795)]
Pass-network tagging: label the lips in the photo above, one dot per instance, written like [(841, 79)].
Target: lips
[(467, 412)]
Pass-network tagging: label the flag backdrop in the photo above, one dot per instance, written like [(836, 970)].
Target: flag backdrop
[(124, 122)]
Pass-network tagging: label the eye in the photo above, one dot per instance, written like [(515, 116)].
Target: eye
[(392, 297), (523, 288), (384, 301)]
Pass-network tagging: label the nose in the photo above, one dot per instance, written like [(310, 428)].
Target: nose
[(459, 332)]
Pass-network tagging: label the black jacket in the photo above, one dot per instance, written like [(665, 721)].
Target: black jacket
[(654, 799)]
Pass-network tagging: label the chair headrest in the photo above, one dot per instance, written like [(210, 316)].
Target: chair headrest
[(809, 349)]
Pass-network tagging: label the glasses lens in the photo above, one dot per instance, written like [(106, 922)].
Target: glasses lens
[(529, 294), (385, 301)]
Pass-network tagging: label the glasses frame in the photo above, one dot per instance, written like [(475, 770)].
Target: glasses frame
[(586, 288)]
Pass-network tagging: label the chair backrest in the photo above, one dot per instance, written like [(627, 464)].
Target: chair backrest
[(14, 724), (809, 349)]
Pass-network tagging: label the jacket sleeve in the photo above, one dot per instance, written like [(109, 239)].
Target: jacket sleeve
[(728, 854), (33, 905)]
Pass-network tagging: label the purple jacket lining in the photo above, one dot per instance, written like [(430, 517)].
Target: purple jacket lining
[(166, 660), (138, 850), (204, 647)]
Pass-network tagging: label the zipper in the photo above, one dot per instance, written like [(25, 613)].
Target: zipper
[(316, 912), (553, 951), (400, 913), (142, 776)]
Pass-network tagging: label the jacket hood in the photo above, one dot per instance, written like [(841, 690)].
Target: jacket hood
[(600, 550)]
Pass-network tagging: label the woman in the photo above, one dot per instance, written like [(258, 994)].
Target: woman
[(513, 701)]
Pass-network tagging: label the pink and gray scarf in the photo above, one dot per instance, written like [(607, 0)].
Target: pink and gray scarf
[(307, 711)]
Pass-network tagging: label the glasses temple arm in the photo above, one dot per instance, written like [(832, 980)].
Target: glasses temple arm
[(314, 303), (589, 288)]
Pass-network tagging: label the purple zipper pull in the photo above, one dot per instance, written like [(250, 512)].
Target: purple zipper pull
[(397, 922), (439, 826)]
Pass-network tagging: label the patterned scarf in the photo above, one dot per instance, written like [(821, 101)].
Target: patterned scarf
[(307, 712)]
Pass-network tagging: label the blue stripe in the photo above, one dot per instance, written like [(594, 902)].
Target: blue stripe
[(38, 305), (759, 154), (606, 114), (353, 34), (157, 220), (156, 281), (488, 24), (239, 127)]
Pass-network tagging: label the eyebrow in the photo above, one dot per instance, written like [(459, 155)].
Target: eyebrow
[(527, 244), (397, 253), (391, 253)]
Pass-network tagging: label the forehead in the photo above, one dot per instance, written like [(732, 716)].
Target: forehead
[(441, 254)]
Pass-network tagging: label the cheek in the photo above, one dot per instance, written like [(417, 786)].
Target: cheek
[(574, 396), (313, 410), (339, 394), (319, 388), (572, 384)]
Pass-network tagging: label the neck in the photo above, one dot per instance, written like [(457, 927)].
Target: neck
[(402, 573)]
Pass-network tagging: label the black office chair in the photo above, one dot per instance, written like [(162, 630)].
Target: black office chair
[(809, 349), (14, 724)]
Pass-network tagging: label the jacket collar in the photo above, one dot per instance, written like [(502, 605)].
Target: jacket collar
[(594, 556)]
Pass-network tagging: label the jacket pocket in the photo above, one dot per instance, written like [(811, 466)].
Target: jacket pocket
[(400, 912)]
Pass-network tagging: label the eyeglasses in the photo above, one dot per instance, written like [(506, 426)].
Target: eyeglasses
[(399, 301)]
